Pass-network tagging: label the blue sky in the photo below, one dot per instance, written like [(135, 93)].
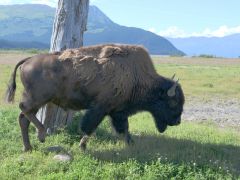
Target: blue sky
[(172, 18)]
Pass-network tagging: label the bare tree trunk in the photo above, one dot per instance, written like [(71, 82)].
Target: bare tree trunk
[(68, 28)]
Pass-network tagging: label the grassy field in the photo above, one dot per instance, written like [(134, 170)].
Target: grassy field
[(203, 76), (189, 151)]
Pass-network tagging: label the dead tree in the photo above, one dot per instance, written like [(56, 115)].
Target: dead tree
[(69, 25)]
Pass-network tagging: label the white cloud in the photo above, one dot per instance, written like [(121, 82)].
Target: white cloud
[(152, 29), (5, 2), (172, 31), (222, 31)]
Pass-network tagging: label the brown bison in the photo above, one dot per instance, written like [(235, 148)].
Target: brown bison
[(115, 80)]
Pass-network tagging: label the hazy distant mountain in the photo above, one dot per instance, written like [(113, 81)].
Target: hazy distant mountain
[(33, 23), (22, 44), (228, 46), (26, 23)]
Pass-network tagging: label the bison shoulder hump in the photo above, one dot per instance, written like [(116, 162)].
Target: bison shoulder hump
[(111, 51)]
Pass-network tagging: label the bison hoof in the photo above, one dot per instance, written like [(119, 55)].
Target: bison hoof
[(27, 149), (130, 142), (83, 143), (41, 134), (83, 146), (128, 139)]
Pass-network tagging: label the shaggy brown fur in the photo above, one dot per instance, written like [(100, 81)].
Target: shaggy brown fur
[(112, 69)]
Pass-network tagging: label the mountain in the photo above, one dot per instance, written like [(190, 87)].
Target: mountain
[(30, 23), (26, 23), (227, 46), (5, 44)]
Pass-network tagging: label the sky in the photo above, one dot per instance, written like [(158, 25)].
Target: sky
[(172, 18)]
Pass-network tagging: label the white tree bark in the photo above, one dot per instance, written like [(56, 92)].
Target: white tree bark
[(69, 25)]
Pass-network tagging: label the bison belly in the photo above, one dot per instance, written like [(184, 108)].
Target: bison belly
[(74, 101)]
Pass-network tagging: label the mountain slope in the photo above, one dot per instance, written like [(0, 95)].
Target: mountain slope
[(227, 46), (26, 23), (22, 45), (33, 23), (156, 44)]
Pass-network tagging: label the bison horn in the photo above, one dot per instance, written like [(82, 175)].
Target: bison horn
[(172, 91), (173, 76)]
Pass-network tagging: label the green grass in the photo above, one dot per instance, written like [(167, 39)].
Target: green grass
[(5, 74), (188, 151), (206, 81)]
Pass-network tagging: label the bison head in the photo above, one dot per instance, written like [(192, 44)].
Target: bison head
[(167, 106)]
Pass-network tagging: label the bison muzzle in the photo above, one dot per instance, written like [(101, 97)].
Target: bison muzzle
[(114, 80)]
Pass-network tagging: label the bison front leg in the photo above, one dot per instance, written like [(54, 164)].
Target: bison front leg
[(24, 124), (120, 125), (92, 118)]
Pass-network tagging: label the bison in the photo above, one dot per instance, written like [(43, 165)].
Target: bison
[(115, 80)]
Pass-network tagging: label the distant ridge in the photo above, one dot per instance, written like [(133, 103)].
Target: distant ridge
[(4, 44), (228, 46), (31, 24)]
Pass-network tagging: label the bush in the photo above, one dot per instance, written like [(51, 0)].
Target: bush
[(207, 56)]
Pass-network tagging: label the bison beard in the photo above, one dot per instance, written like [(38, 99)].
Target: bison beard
[(162, 127), (115, 80)]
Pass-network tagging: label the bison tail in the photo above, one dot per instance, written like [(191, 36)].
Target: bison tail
[(10, 93)]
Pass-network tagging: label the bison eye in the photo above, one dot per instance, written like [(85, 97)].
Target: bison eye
[(172, 103)]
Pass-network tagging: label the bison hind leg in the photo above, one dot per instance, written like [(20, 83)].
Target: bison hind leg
[(29, 108)]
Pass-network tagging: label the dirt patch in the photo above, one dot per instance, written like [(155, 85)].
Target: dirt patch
[(224, 112), (195, 61), (13, 58)]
